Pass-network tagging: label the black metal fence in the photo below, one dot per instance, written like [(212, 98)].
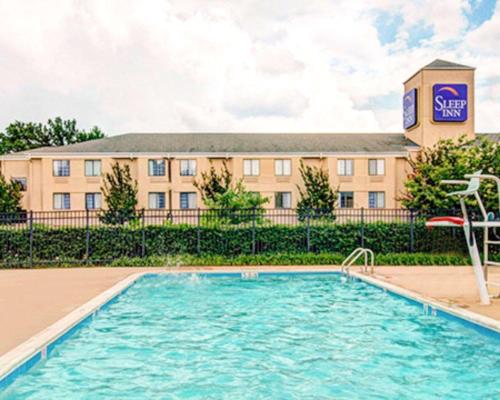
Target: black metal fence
[(33, 238)]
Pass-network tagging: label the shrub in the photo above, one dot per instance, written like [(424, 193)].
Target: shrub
[(317, 198), (450, 159), (110, 242), (236, 205), (213, 183), (290, 259), (120, 196), (10, 198)]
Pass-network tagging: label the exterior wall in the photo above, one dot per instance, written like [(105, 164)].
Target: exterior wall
[(427, 132), (42, 184)]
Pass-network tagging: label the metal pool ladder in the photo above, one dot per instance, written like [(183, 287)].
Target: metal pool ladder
[(351, 259)]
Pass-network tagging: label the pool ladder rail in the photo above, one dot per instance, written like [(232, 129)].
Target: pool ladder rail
[(487, 262), (353, 257)]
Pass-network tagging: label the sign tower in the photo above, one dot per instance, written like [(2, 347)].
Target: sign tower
[(438, 103)]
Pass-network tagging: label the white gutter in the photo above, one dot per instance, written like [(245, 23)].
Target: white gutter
[(29, 156)]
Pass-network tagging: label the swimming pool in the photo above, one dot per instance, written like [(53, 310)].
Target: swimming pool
[(302, 336)]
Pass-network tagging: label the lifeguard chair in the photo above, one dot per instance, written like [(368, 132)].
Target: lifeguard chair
[(488, 222)]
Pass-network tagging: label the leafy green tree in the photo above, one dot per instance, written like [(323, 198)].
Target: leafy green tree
[(22, 136), (213, 183), (451, 160), (120, 196), (236, 205), (228, 203), (317, 198), (10, 196)]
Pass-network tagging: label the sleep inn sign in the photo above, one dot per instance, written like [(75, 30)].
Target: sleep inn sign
[(410, 109), (450, 102)]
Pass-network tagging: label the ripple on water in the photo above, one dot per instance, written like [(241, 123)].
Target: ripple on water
[(279, 337)]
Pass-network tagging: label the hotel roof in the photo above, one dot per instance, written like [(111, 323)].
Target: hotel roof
[(236, 143), (439, 64), (443, 64)]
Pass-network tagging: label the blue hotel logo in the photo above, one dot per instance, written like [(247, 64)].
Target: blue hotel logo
[(450, 102), (410, 109)]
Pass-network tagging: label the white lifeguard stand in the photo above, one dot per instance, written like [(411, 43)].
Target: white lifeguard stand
[(488, 222)]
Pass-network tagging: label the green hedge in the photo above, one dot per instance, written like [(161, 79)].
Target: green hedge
[(107, 243), (289, 259)]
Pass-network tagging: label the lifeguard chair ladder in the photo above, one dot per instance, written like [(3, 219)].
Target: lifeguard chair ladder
[(472, 189)]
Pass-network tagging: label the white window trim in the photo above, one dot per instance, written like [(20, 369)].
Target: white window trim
[(340, 199), (191, 167), (62, 203), (93, 163), (253, 167), (283, 167), (342, 167), (155, 196), (191, 200), (54, 169), (379, 166), (378, 195), (284, 204), (97, 204), (151, 168)]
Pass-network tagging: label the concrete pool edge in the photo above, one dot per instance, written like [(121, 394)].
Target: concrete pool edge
[(20, 359), (471, 318)]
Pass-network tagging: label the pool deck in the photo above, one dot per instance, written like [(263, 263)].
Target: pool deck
[(32, 300)]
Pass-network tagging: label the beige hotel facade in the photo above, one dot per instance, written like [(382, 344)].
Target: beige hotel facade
[(368, 169)]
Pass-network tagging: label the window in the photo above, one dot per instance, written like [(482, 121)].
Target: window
[(376, 167), (188, 167), (156, 200), (60, 167), (156, 167), (92, 201), (282, 167), (61, 201), (283, 200), (188, 200), (345, 167), (376, 199), (23, 182), (346, 199), (251, 167), (92, 167)]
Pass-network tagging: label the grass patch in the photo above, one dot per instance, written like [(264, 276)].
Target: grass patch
[(288, 259)]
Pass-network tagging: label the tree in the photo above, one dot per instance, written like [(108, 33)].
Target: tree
[(213, 183), (229, 203), (22, 136), (317, 197), (451, 160), (10, 196), (236, 205), (120, 196)]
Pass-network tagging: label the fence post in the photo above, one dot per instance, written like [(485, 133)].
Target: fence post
[(254, 215), (31, 237), (198, 232), (87, 237), (362, 227), (308, 229), (412, 231), (143, 235)]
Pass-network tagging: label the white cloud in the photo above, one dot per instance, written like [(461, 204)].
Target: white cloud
[(188, 65)]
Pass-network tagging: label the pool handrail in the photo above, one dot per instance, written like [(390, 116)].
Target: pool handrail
[(352, 258)]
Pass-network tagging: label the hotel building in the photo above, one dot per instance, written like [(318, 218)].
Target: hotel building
[(369, 170)]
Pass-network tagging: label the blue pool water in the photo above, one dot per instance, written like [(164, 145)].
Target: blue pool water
[(277, 337)]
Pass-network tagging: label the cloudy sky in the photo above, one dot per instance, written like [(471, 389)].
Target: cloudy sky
[(237, 65)]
